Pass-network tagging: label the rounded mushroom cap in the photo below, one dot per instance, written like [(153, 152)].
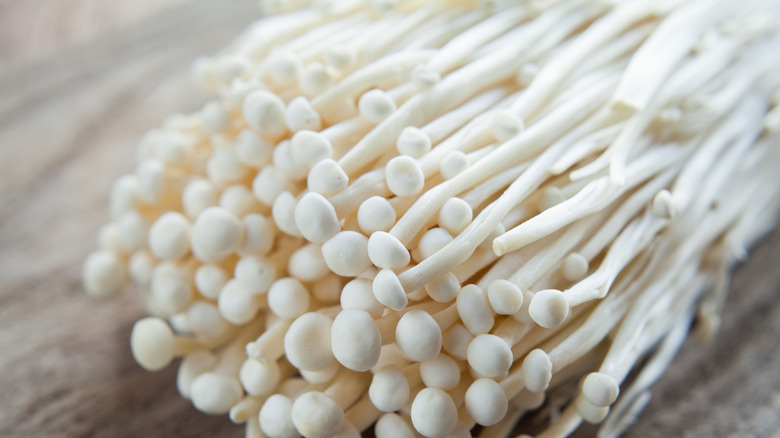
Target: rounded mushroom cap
[(505, 125), (102, 274), (316, 218), (549, 308), (198, 195), (388, 290), (589, 412), (216, 234), (489, 355), (326, 177), (389, 389), (474, 309), (505, 297), (575, 267), (152, 343), (375, 214), (236, 304), (443, 289), (386, 251), (260, 234), (252, 150), (393, 426), (432, 241), (455, 215), (275, 417), (215, 393), (358, 294), (307, 263), (209, 280), (375, 105), (486, 402), (355, 340), (346, 253), (600, 389), (264, 112), (434, 414), (537, 370), (307, 342), (404, 176), (309, 147), (414, 142), (204, 319), (440, 372), (456, 340), (300, 115), (288, 298), (316, 415), (453, 163), (255, 274), (259, 377), (191, 366), (418, 335)]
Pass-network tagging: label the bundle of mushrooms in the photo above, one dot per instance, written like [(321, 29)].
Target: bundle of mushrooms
[(432, 218)]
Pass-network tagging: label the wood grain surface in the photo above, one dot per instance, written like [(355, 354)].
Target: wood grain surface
[(71, 112)]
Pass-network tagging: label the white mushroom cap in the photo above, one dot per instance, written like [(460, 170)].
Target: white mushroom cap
[(316, 218), (309, 147), (151, 180), (269, 183), (386, 251), (346, 253), (308, 264), (443, 289), (316, 415), (300, 115), (537, 370), (489, 355), (323, 375), (260, 234), (140, 268), (170, 291), (307, 343), (283, 213), (169, 236), (288, 298), (275, 417), (314, 79), (486, 402), (259, 377), (215, 393), (575, 267), (209, 280), (600, 389), (589, 412), (375, 105), (474, 309), (389, 390), (264, 112), (238, 199), (355, 340), (440, 372), (388, 290), (358, 294), (216, 234), (456, 340), (549, 308), (393, 426), (375, 214), (455, 215), (133, 231), (404, 176), (326, 177), (198, 195), (453, 163), (103, 274), (414, 142), (253, 150), (191, 366), (205, 320), (434, 414), (432, 241), (152, 343), (418, 335), (505, 297), (223, 166), (236, 304)]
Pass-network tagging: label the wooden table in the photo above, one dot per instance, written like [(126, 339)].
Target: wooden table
[(77, 91)]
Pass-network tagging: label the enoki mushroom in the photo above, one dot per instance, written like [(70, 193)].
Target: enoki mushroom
[(419, 217)]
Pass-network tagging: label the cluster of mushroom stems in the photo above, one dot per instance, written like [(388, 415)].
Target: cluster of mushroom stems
[(425, 216)]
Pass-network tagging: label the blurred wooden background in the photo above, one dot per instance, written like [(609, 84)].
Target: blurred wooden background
[(80, 82)]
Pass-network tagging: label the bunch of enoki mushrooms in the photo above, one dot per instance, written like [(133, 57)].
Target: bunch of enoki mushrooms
[(432, 218)]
